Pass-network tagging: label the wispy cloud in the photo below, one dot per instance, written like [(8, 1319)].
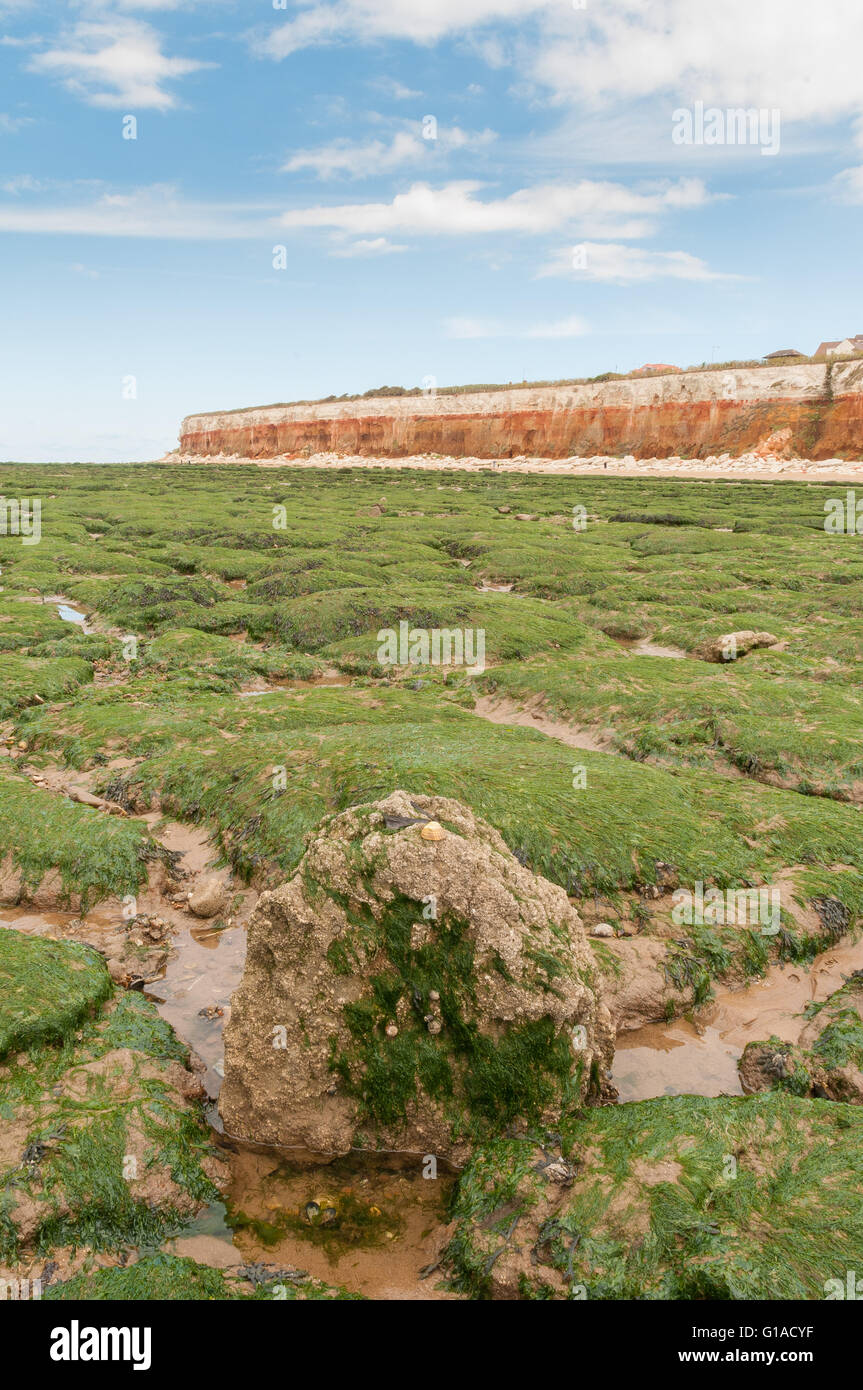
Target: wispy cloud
[(10, 125), (374, 246), (22, 183), (395, 90), (156, 211), (790, 54), (622, 265), (358, 160), (115, 62), (572, 327), (847, 186), (419, 21), (455, 209)]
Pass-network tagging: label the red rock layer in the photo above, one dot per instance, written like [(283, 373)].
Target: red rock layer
[(692, 429)]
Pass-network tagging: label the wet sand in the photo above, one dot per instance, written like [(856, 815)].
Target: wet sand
[(744, 469), (698, 1055)]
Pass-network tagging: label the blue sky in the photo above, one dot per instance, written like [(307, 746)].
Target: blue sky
[(465, 190)]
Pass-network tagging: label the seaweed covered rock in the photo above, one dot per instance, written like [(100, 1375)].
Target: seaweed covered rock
[(173, 1278), (828, 1060), (411, 988), (101, 1144), (732, 645), (676, 1198), (46, 989)]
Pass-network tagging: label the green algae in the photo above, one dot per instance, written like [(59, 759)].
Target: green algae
[(47, 988), (174, 1278), (91, 1097), (677, 1198)]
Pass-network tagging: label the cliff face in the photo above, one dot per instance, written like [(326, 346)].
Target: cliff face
[(692, 414)]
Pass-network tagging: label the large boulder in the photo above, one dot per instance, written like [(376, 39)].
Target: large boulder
[(411, 991)]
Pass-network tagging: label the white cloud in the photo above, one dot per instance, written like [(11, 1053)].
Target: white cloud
[(422, 21), (375, 246), (116, 63), (22, 183), (791, 54), (356, 160), (395, 90), (10, 125), (598, 209), (621, 265), (848, 186), (157, 211), (572, 327)]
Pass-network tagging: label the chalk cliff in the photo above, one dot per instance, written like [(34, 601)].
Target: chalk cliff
[(692, 414)]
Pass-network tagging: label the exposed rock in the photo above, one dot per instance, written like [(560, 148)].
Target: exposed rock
[(207, 897), (603, 929), (828, 1062), (736, 644), (336, 1038), (689, 413), (638, 988)]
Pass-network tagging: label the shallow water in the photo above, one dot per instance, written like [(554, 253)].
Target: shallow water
[(378, 1255), (385, 1229), (698, 1055), (204, 969), (71, 615)]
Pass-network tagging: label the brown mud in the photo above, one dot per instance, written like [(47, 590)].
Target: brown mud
[(698, 1054), (530, 716)]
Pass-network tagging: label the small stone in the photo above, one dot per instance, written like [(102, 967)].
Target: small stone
[(207, 896), (560, 1172), (434, 996), (603, 929), (391, 1030), (434, 1025)]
